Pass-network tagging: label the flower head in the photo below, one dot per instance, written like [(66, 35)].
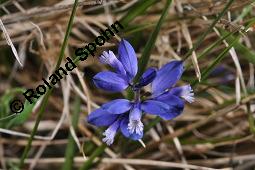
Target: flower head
[(164, 91), (116, 115), (166, 101)]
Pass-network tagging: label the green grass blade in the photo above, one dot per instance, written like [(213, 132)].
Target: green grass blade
[(247, 53), (96, 153), (219, 58), (70, 149), (202, 37), (6, 115), (206, 72), (211, 47), (151, 43), (136, 10), (233, 43), (148, 48), (48, 93)]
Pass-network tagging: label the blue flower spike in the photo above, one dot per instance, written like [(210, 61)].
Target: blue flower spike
[(166, 101)]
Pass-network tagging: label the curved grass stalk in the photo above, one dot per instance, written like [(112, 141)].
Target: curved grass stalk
[(48, 93)]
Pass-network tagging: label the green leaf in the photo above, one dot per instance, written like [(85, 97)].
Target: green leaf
[(23, 116), (5, 112)]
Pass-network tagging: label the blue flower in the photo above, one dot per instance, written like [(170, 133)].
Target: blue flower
[(118, 114), (124, 115), (164, 91), (125, 67), (166, 101)]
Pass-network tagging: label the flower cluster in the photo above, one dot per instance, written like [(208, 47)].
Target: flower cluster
[(166, 100)]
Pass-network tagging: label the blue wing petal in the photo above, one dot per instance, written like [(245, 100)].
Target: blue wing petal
[(147, 77), (154, 107), (128, 58), (170, 99), (100, 117), (167, 76), (110, 81), (176, 105), (125, 131), (117, 106)]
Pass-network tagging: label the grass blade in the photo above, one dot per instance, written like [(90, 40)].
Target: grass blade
[(202, 37), (136, 10), (70, 150), (151, 42), (96, 153), (48, 93)]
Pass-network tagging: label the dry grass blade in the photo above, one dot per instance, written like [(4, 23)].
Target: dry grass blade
[(9, 42)]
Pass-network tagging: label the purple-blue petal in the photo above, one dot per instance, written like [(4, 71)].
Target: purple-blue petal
[(167, 77), (135, 114), (170, 99), (109, 58), (154, 107), (100, 117), (185, 92), (125, 131), (117, 106), (171, 114), (110, 81), (147, 77), (127, 57), (176, 105)]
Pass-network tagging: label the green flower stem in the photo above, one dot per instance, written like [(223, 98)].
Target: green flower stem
[(152, 123), (48, 93)]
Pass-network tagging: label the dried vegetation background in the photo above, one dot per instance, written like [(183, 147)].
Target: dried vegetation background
[(216, 131)]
